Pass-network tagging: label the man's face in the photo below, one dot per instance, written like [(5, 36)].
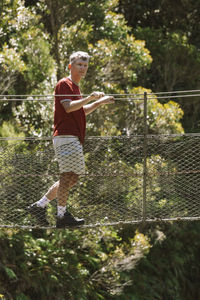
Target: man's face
[(79, 67)]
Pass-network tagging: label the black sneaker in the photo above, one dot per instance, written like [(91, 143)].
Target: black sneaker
[(68, 220), (39, 213)]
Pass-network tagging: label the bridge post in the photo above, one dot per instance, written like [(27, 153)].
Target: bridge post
[(144, 160)]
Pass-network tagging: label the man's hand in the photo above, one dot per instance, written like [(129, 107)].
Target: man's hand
[(97, 95), (106, 100), (101, 101)]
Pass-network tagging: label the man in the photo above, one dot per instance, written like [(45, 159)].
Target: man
[(69, 133)]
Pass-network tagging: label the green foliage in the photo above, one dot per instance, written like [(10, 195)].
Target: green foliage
[(172, 263), (11, 65), (26, 49), (164, 118), (146, 44), (127, 116), (176, 61), (8, 129), (170, 30), (36, 54), (47, 265), (97, 263), (116, 56), (33, 117)]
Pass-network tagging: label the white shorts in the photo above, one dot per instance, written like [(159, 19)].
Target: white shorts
[(69, 154)]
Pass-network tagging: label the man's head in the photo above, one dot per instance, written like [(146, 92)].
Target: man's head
[(79, 55), (78, 65)]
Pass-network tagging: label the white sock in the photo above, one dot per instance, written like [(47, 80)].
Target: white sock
[(61, 211), (44, 201)]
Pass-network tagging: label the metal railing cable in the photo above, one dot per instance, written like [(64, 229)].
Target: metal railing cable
[(118, 97)]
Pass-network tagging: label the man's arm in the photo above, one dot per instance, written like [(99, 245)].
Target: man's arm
[(70, 105), (89, 108)]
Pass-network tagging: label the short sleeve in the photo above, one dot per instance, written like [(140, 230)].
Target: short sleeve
[(62, 88)]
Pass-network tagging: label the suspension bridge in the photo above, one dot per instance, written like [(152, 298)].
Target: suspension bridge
[(130, 178)]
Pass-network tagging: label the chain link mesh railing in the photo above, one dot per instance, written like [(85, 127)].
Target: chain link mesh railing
[(128, 179), (112, 189), (173, 173)]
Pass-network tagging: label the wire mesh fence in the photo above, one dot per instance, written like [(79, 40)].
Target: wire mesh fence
[(128, 178), (112, 189)]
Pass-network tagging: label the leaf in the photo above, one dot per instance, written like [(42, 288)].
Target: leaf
[(10, 273), (21, 296)]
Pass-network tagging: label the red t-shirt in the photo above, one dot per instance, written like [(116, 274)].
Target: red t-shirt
[(73, 123)]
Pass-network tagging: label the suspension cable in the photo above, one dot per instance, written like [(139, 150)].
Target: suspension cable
[(118, 97)]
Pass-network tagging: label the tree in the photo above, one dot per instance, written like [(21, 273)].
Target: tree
[(170, 29), (116, 56)]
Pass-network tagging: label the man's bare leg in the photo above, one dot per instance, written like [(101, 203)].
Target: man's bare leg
[(52, 192), (67, 181), (38, 210), (59, 189), (48, 197)]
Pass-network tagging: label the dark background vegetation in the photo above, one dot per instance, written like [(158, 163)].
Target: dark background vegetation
[(135, 46)]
